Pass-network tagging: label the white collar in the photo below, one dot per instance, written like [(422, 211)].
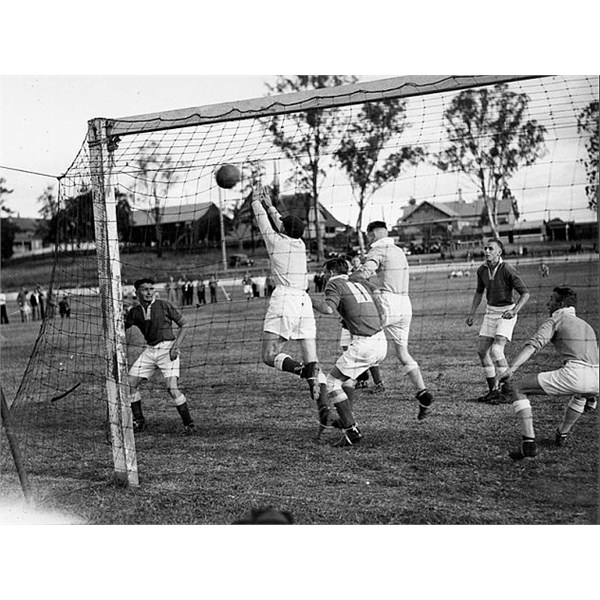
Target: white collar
[(564, 309), (385, 241), (340, 276)]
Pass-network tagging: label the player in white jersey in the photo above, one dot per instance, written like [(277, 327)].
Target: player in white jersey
[(388, 262), (576, 343), (290, 314), (361, 317)]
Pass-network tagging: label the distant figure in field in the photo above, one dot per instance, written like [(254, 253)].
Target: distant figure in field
[(154, 318), (64, 307), (247, 283), (499, 281), (575, 341), (544, 270)]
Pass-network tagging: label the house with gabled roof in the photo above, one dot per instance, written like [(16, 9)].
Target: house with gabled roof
[(183, 225), (453, 220)]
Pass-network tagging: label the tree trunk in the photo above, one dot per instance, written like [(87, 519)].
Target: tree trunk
[(490, 205), (318, 233), (359, 233), (158, 231)]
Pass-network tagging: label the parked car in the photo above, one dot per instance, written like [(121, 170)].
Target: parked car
[(240, 260)]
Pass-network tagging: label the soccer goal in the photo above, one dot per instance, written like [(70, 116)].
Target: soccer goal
[(446, 162)]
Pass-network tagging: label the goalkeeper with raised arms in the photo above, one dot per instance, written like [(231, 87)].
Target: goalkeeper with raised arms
[(290, 314)]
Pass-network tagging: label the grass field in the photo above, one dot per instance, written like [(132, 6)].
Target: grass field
[(254, 446)]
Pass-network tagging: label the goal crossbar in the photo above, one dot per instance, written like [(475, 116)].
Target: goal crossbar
[(356, 93)]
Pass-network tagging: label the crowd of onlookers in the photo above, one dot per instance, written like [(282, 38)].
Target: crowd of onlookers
[(36, 305)]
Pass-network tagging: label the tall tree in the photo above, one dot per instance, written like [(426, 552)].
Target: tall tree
[(307, 144), (587, 122), (8, 227), (489, 139), (366, 157), (157, 172)]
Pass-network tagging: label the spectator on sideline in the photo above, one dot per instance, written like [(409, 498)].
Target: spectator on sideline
[(498, 280), (24, 306), (3, 313), (154, 318), (213, 283), (41, 301), (35, 305), (575, 341), (201, 291)]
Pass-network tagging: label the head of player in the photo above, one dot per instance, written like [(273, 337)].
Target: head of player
[(561, 297), (144, 289), (376, 230), (493, 251), (336, 266), (293, 226)]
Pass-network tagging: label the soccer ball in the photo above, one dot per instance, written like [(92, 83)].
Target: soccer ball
[(227, 176)]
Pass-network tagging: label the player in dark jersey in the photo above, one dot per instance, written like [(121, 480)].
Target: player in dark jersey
[(154, 318), (356, 306), (498, 280)]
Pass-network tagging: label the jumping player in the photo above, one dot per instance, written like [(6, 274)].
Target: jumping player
[(290, 314), (388, 262), (575, 341), (368, 346), (154, 318), (498, 279)]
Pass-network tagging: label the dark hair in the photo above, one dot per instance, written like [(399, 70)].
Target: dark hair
[(338, 265), (265, 516), (376, 225), (498, 242), (293, 226), (566, 295), (137, 284)]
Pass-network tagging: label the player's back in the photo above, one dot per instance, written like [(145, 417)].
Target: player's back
[(355, 304)]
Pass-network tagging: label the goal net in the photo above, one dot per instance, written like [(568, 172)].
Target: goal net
[(140, 200)]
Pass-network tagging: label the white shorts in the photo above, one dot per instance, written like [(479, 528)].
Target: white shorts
[(493, 323), (155, 357), (572, 378), (247, 289), (290, 315), (363, 352), (345, 338), (397, 316)]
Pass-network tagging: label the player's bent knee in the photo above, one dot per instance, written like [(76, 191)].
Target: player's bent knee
[(519, 405), (577, 403), (333, 384), (497, 352)]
